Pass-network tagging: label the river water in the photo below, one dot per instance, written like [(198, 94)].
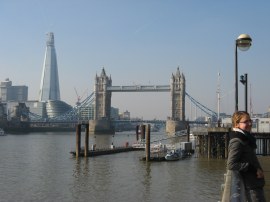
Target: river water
[(39, 167)]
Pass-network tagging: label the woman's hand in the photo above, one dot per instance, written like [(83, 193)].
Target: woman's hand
[(260, 173)]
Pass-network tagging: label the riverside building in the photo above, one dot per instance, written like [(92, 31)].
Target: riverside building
[(8, 92)]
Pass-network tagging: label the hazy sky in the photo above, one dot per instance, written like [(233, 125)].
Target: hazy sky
[(140, 42)]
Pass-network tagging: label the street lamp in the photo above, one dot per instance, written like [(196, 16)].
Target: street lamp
[(243, 42)]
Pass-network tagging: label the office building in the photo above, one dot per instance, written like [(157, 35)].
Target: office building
[(49, 86), (8, 92)]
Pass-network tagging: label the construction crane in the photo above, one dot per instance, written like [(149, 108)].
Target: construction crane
[(78, 103)]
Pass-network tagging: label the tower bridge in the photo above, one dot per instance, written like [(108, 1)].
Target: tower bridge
[(96, 108), (103, 91)]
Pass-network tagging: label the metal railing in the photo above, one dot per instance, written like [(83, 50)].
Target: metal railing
[(263, 144)]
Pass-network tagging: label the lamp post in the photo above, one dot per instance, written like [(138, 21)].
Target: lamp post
[(243, 42), (244, 81)]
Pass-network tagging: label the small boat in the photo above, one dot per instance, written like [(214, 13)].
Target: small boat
[(173, 155), (2, 132), (180, 133), (154, 148), (158, 148), (139, 145)]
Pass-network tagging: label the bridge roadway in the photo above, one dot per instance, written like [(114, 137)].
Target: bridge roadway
[(140, 88)]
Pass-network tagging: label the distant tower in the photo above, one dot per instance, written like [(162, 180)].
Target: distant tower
[(101, 122), (178, 91), (49, 86), (102, 96)]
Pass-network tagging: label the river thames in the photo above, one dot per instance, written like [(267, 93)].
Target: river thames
[(39, 167)]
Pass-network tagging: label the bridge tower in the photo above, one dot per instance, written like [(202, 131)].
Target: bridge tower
[(178, 90), (102, 110), (102, 96)]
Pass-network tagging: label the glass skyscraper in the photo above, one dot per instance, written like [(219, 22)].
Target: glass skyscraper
[(49, 86)]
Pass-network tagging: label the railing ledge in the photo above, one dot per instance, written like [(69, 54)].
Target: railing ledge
[(233, 189)]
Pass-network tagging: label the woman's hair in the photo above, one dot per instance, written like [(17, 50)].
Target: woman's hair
[(237, 116)]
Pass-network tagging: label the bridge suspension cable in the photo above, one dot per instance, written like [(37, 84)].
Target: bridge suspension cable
[(74, 114), (202, 107)]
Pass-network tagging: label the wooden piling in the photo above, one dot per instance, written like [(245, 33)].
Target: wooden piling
[(209, 145), (226, 138), (137, 132), (147, 143), (188, 133), (78, 140), (86, 147), (142, 132)]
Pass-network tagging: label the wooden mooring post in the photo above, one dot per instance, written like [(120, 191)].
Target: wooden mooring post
[(226, 142), (209, 145), (86, 147), (78, 140), (140, 132), (188, 133), (137, 132), (147, 143), (142, 127)]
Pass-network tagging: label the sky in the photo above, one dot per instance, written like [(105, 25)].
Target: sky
[(140, 42)]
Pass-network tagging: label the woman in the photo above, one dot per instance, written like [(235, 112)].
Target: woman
[(242, 156)]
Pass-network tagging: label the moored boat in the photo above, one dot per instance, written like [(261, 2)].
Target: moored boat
[(155, 148), (173, 155), (139, 144)]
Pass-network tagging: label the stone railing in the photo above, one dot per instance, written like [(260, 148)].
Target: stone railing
[(233, 189)]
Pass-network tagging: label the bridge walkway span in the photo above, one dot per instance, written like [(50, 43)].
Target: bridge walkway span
[(140, 88)]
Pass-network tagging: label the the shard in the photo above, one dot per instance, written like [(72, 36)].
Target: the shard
[(49, 86)]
